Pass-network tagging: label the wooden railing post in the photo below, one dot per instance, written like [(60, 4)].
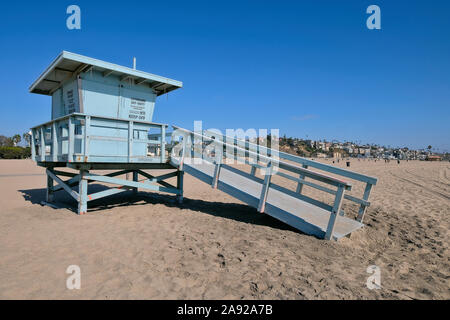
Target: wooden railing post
[(163, 143), (71, 138), (42, 149), (363, 208), (335, 212), (87, 127), (265, 188), (215, 179), (302, 177), (54, 143)]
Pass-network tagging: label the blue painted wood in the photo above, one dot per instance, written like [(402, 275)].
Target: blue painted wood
[(89, 67), (63, 185), (265, 188), (303, 161), (363, 207), (33, 144), (302, 177), (107, 193), (42, 144), (334, 213), (100, 139), (82, 191), (129, 183)]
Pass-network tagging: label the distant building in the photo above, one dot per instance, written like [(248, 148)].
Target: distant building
[(433, 158)]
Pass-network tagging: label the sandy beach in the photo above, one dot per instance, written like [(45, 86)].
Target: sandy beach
[(214, 247)]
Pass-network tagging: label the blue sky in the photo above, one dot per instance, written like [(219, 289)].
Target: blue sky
[(309, 68)]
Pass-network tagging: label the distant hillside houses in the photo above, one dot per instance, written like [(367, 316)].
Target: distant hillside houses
[(335, 149)]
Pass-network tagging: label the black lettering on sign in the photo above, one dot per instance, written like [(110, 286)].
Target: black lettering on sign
[(137, 109), (70, 102)]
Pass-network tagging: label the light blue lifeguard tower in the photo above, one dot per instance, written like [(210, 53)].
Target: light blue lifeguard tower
[(102, 120)]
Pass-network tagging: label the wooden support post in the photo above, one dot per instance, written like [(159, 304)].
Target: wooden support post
[(215, 179), (62, 184), (49, 194), (180, 174), (135, 179), (335, 212), (302, 177), (82, 191), (265, 188), (363, 208)]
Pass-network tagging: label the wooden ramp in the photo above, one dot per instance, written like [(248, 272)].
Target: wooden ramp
[(281, 205), (202, 154)]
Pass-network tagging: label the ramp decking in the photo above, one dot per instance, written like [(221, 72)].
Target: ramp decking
[(300, 214)]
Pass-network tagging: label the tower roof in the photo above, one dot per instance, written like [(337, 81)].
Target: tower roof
[(68, 64)]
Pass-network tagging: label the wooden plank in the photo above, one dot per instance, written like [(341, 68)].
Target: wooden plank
[(61, 183), (129, 183), (106, 193), (70, 183), (65, 173), (159, 180)]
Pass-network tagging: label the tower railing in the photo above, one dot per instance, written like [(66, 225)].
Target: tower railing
[(85, 138)]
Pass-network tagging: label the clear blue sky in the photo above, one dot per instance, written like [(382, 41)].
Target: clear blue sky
[(309, 68)]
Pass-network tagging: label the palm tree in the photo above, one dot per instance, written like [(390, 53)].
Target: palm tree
[(16, 139), (27, 137)]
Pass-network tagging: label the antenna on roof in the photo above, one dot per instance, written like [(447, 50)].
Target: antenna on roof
[(134, 63)]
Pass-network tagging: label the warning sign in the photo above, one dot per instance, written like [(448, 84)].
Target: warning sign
[(137, 109)]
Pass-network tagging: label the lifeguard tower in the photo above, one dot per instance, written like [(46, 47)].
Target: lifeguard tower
[(102, 120)]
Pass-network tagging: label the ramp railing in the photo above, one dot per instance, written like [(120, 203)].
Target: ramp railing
[(306, 164), (214, 149)]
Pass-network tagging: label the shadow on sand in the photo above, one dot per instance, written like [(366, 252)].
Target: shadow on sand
[(234, 211)]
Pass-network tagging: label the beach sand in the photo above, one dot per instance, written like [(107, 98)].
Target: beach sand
[(214, 247)]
